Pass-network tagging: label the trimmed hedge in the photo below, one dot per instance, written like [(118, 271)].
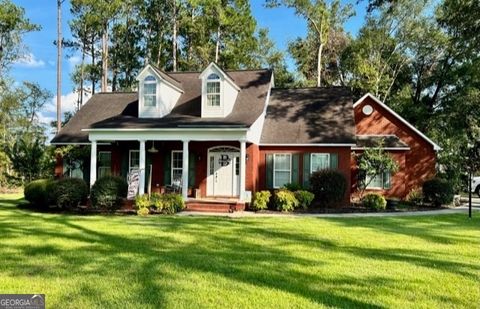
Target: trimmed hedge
[(108, 192), (167, 203), (329, 187), (68, 192), (285, 200), (438, 191), (36, 192), (305, 198), (374, 201), (261, 200)]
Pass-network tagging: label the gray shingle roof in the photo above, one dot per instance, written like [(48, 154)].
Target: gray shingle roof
[(120, 110), (309, 116)]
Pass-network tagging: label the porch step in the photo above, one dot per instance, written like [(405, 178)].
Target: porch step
[(214, 206)]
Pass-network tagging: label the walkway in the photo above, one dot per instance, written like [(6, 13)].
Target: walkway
[(250, 214)]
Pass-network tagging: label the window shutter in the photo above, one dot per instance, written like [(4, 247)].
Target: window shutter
[(306, 170), (167, 164), (295, 171), (386, 180), (334, 160), (269, 171), (191, 169), (148, 161)]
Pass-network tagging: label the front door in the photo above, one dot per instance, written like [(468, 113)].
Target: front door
[(223, 176)]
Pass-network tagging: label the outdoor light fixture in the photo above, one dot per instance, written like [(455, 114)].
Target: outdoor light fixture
[(153, 149)]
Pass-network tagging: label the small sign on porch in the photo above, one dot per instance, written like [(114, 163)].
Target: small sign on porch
[(133, 180)]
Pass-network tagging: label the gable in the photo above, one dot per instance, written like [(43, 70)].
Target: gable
[(373, 117)]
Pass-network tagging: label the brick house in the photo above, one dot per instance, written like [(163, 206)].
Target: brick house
[(220, 134)]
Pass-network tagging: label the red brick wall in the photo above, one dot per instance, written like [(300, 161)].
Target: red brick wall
[(419, 161), (343, 161)]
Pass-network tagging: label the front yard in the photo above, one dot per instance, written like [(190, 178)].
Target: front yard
[(187, 262)]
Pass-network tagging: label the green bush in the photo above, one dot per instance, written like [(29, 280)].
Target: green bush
[(142, 201), (143, 211), (260, 200), (108, 192), (329, 187), (156, 200), (374, 201), (172, 203), (293, 186), (36, 192), (285, 200), (415, 196), (438, 191), (305, 198), (68, 192)]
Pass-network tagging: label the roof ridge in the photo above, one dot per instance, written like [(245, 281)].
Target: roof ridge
[(309, 87), (239, 70)]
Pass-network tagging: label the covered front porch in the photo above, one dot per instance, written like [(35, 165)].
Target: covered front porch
[(203, 167)]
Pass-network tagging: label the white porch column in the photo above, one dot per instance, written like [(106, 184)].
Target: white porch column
[(141, 183), (185, 170), (243, 162), (93, 162)]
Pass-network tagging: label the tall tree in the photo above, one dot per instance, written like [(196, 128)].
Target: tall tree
[(321, 19), (59, 63)]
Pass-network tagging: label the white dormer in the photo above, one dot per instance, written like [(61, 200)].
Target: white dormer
[(157, 93), (219, 92)]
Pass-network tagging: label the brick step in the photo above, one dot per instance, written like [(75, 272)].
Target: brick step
[(214, 207)]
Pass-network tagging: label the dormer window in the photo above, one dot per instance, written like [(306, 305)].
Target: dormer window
[(213, 90), (150, 91)]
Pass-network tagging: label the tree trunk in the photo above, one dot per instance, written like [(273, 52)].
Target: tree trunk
[(92, 74), (105, 58), (59, 65), (174, 39), (319, 65), (82, 78), (217, 46)]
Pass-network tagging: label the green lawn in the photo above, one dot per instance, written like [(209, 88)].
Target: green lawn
[(188, 262)]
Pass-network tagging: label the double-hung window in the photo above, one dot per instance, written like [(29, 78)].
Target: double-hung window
[(177, 167), (150, 91), (104, 163), (319, 161), (380, 181), (282, 169), (213, 90), (134, 160)]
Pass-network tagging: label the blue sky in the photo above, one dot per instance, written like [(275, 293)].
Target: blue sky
[(40, 64)]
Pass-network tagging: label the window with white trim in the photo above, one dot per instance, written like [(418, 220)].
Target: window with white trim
[(104, 163), (282, 169), (213, 90), (177, 167), (380, 181), (150, 91), (319, 161), (134, 160)]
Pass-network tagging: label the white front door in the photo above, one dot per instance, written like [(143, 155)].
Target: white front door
[(223, 174)]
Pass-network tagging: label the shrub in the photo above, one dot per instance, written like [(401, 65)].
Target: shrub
[(438, 191), (374, 201), (142, 201), (68, 192), (172, 203), (305, 198), (329, 187), (285, 200), (293, 186), (156, 201), (36, 192), (415, 196), (108, 192), (143, 211), (260, 200)]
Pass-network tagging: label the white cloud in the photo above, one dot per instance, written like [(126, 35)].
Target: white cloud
[(74, 60), (69, 104), (30, 61)]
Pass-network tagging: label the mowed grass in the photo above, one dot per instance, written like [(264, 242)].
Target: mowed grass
[(207, 262)]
